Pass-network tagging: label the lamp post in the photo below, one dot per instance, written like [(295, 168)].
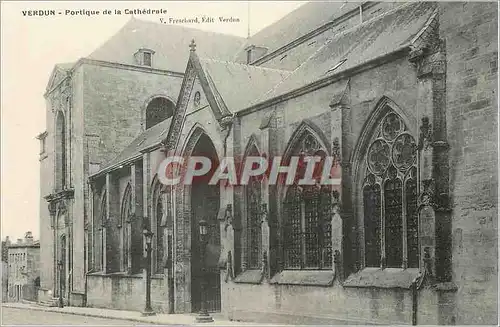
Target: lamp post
[(148, 236), (203, 315), (60, 268)]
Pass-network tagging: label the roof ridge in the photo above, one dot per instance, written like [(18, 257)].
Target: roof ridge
[(245, 65)]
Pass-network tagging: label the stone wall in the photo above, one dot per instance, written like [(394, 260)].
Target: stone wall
[(470, 32), (125, 292)]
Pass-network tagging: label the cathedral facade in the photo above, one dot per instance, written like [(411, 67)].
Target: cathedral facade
[(400, 95)]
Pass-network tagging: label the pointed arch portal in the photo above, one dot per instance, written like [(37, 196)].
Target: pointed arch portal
[(205, 205)]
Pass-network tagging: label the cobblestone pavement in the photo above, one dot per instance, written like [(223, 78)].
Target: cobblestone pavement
[(13, 316)]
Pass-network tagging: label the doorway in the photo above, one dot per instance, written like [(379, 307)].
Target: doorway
[(205, 205)]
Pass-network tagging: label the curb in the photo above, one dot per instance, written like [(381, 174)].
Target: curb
[(92, 315)]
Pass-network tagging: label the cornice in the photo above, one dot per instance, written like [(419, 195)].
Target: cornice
[(64, 194)]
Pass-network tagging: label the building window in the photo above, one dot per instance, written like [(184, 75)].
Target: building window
[(254, 223), (60, 173), (99, 245), (144, 57), (126, 215), (307, 220), (148, 56), (159, 222), (390, 197), (158, 110)]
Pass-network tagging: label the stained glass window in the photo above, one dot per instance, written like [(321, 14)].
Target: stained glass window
[(293, 228), (412, 221), (254, 238), (99, 239), (391, 159), (372, 208), (125, 226), (307, 216), (393, 223)]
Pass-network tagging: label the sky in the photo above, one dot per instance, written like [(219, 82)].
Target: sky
[(32, 45)]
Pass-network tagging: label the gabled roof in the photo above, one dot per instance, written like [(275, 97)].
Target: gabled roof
[(58, 73), (240, 85), (169, 43), (380, 36), (147, 139), (299, 22)]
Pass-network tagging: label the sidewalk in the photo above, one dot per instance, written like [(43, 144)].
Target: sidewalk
[(159, 319)]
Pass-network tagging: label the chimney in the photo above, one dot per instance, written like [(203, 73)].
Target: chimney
[(7, 241), (28, 238)]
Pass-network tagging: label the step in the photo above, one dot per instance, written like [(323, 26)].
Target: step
[(53, 302)]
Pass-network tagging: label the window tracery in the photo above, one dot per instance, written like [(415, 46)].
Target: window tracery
[(254, 238), (390, 197), (307, 214)]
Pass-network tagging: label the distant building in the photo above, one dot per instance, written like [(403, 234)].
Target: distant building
[(5, 265), (23, 269)]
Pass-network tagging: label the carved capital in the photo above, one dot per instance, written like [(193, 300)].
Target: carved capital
[(226, 121)]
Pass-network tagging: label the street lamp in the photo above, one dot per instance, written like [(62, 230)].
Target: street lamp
[(203, 315), (60, 268), (148, 236)]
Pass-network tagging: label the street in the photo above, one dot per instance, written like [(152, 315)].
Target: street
[(12, 316)]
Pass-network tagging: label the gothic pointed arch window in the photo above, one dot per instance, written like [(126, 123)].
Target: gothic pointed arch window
[(157, 110), (389, 194), (99, 221), (159, 224), (253, 229), (307, 233), (126, 216)]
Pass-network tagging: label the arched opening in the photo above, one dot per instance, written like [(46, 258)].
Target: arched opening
[(306, 218), (100, 216), (159, 210), (253, 228), (205, 205), (126, 215), (60, 173), (157, 110), (387, 184)]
